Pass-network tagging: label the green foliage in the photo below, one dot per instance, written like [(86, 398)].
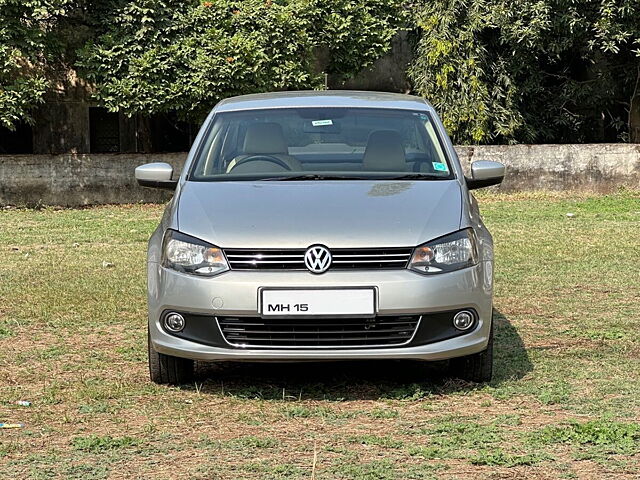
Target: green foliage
[(26, 44), (169, 55), (497, 71), (354, 33), (531, 71)]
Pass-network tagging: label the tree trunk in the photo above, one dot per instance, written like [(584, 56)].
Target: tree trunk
[(634, 112), (145, 142)]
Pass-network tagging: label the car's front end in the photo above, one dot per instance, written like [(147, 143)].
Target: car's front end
[(414, 318), (320, 266)]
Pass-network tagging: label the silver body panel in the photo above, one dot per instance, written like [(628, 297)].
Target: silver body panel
[(398, 292), (337, 214), (346, 214)]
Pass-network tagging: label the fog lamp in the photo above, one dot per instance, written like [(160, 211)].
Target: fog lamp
[(463, 320), (174, 322)]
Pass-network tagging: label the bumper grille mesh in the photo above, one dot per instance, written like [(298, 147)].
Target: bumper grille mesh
[(343, 259), (382, 331)]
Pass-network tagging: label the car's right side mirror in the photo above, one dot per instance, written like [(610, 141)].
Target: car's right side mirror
[(485, 173)]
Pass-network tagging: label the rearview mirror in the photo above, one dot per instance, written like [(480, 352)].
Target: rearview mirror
[(156, 175), (485, 173)]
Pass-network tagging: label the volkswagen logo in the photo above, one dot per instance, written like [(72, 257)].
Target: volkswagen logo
[(317, 259)]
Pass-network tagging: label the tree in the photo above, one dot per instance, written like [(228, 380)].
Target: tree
[(531, 71), (156, 56), (27, 44)]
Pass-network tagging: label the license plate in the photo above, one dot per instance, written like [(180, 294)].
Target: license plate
[(305, 302)]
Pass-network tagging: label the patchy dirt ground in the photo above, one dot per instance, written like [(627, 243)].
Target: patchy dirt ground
[(564, 403)]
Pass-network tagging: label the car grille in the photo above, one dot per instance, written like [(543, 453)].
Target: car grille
[(343, 259), (381, 331)]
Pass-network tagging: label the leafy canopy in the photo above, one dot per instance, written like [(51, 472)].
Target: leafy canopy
[(27, 48), (168, 55), (497, 71), (529, 71)]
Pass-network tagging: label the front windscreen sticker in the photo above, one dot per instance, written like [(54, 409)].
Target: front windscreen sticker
[(321, 123), (439, 167)]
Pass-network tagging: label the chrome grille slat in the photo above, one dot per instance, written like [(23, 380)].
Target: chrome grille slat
[(382, 331), (263, 255), (274, 323), (260, 257), (367, 261), (343, 258), (312, 332), (266, 261), (368, 255)]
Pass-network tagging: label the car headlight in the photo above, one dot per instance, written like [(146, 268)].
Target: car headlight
[(190, 255), (446, 254)]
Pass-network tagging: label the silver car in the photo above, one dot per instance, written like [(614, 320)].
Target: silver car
[(321, 226)]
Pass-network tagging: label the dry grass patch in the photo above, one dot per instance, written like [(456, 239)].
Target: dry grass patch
[(565, 401)]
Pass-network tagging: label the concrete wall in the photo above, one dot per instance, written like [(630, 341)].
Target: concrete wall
[(597, 167), (72, 180)]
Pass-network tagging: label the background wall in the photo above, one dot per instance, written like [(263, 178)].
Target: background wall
[(600, 167), (73, 180)]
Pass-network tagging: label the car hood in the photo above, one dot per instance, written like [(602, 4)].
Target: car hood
[(338, 214)]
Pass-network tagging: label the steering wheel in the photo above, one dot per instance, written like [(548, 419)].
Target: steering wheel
[(264, 158)]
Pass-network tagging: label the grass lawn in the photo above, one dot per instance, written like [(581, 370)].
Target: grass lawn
[(564, 403)]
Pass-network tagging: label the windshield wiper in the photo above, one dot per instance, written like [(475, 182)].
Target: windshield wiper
[(417, 176), (313, 176), (319, 176)]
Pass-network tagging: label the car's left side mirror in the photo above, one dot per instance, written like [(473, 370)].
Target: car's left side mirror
[(156, 175), (485, 173)]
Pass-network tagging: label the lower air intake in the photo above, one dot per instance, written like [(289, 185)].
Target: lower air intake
[(381, 331)]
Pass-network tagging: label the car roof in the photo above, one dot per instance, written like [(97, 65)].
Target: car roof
[(323, 98)]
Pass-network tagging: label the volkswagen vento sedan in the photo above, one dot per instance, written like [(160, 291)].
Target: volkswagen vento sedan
[(321, 226)]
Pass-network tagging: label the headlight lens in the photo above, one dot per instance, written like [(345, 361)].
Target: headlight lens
[(446, 254), (190, 255)]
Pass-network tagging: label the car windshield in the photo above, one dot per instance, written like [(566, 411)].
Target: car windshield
[(321, 144)]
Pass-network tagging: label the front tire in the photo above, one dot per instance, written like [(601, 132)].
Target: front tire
[(168, 370), (476, 368)]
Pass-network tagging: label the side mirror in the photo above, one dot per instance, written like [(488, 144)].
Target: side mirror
[(485, 173), (156, 175)]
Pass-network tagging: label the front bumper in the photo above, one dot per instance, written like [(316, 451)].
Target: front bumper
[(399, 292)]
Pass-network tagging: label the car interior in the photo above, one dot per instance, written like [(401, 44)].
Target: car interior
[(282, 142)]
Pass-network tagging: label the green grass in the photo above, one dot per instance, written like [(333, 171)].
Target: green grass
[(96, 444), (385, 441), (615, 437), (564, 402), (497, 457), (252, 442)]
